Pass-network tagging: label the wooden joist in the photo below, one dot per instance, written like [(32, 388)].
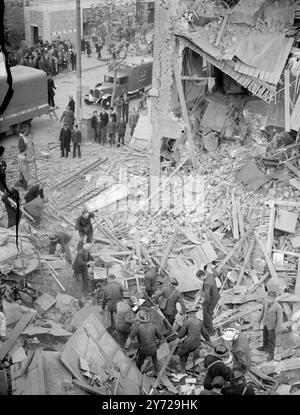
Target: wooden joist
[(21, 325), (271, 228), (296, 306), (267, 257), (247, 258), (168, 249), (287, 100)]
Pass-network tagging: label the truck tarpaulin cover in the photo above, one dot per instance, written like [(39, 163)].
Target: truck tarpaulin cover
[(30, 87)]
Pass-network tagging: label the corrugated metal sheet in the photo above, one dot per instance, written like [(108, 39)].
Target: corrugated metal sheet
[(257, 87), (272, 78)]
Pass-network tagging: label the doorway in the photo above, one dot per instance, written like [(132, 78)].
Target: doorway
[(34, 33)]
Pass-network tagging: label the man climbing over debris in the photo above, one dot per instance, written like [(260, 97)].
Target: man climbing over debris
[(272, 318), (35, 207), (10, 208), (238, 344), (215, 366), (238, 386), (112, 294), (150, 281), (211, 298), (124, 319), (168, 297), (84, 227), (63, 239), (80, 265), (190, 333), (148, 337)]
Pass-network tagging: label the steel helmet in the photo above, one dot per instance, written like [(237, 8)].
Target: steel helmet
[(230, 334)]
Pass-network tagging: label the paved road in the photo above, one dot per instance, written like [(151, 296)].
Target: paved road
[(46, 130)]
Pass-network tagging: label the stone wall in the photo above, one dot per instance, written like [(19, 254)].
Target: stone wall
[(63, 24), (32, 17)]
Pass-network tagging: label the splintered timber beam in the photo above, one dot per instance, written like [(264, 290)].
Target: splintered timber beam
[(267, 257), (287, 116), (271, 228), (184, 111)]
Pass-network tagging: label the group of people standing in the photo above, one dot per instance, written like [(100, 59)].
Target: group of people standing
[(70, 131), (54, 58)]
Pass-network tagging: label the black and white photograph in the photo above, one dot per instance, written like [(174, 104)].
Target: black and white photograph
[(149, 201)]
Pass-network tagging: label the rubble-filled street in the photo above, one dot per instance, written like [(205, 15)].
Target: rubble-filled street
[(167, 263)]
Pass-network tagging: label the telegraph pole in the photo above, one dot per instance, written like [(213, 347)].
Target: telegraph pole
[(78, 64)]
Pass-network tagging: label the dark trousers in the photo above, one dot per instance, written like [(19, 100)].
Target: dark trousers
[(96, 138), (83, 277), (121, 138), (73, 66), (51, 101), (125, 112), (23, 182), (76, 147), (184, 351), (122, 338), (64, 152), (269, 340), (132, 131), (112, 138), (12, 216), (140, 358), (102, 136), (207, 317)]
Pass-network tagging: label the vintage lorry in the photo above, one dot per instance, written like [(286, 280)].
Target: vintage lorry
[(30, 99), (134, 77)]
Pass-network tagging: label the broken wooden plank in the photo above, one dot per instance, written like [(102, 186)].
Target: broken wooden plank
[(137, 238), (216, 240), (45, 302), (55, 275), (287, 202), (292, 168), (168, 249), (162, 370), (25, 320), (220, 34), (184, 109), (236, 247), (248, 255), (239, 315), (3, 382), (91, 389), (267, 257), (235, 223), (271, 228), (287, 115), (296, 306), (288, 253)]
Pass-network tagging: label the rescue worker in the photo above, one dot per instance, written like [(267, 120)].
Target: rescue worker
[(150, 281), (217, 386), (35, 208), (211, 298), (147, 335), (215, 366), (65, 136), (84, 227), (124, 319), (133, 120), (10, 209), (94, 125), (63, 239), (272, 318), (112, 294), (111, 131), (33, 192), (238, 386), (24, 168), (239, 347), (76, 140), (170, 297), (80, 265), (68, 118), (190, 332), (71, 104), (121, 131)]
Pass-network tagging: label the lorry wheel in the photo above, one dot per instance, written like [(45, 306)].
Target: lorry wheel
[(140, 93), (106, 103)]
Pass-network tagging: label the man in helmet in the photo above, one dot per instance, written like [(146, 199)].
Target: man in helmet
[(272, 323), (215, 366), (124, 319), (80, 265), (63, 239), (112, 294), (211, 298), (168, 297), (84, 227), (191, 332), (147, 335), (150, 281), (238, 344)]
